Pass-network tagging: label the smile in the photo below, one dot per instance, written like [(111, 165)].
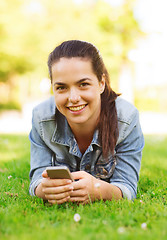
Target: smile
[(77, 108)]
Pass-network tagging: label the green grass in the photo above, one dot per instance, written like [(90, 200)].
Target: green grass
[(10, 106), (23, 217)]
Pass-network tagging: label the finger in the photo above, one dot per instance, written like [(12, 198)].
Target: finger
[(46, 182), (52, 201), (59, 201), (78, 174), (78, 184), (79, 193), (57, 196), (44, 174), (56, 190), (79, 199)]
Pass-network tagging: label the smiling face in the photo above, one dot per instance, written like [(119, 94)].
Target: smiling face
[(77, 91)]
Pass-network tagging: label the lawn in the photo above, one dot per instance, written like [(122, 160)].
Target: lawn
[(23, 217)]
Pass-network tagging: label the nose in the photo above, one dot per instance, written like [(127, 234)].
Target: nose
[(74, 96)]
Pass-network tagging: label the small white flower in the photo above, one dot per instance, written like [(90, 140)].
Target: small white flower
[(141, 202), (144, 225), (9, 177), (77, 217), (97, 185), (104, 222), (121, 230)]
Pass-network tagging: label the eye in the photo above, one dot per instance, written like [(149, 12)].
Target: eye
[(84, 84), (60, 88)]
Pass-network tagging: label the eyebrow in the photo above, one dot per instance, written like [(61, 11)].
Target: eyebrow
[(59, 83), (81, 80)]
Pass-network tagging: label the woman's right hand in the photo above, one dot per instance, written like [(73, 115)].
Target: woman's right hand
[(56, 191)]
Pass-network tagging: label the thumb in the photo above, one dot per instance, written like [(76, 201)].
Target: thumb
[(44, 174), (78, 175)]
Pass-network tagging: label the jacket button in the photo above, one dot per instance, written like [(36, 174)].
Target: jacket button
[(87, 167)]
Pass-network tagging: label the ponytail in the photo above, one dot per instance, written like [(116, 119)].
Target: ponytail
[(108, 124)]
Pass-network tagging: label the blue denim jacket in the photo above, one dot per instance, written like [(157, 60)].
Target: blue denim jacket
[(54, 140)]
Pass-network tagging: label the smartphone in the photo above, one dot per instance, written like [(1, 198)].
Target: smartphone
[(59, 172)]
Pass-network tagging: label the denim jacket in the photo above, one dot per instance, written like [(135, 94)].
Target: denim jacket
[(53, 143)]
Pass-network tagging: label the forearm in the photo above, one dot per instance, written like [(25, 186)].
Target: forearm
[(90, 188), (107, 191)]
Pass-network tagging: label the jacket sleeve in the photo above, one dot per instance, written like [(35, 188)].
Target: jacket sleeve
[(41, 155), (128, 155)]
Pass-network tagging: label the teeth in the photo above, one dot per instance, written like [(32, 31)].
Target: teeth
[(76, 108)]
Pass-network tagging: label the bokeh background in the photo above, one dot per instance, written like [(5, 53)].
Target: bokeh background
[(130, 34)]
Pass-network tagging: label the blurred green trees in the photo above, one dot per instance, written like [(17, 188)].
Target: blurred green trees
[(30, 29)]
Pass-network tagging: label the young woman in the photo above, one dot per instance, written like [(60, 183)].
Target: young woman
[(87, 127)]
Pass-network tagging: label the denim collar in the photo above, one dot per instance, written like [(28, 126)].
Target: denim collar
[(63, 135)]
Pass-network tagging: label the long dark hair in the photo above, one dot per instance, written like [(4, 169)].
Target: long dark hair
[(108, 124)]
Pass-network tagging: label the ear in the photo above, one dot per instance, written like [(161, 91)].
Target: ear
[(102, 84)]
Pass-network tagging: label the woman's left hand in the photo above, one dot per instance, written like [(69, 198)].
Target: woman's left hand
[(86, 189)]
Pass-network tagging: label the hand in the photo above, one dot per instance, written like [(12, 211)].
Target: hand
[(56, 190), (86, 189)]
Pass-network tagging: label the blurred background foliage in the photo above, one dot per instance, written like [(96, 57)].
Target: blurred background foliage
[(30, 30)]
